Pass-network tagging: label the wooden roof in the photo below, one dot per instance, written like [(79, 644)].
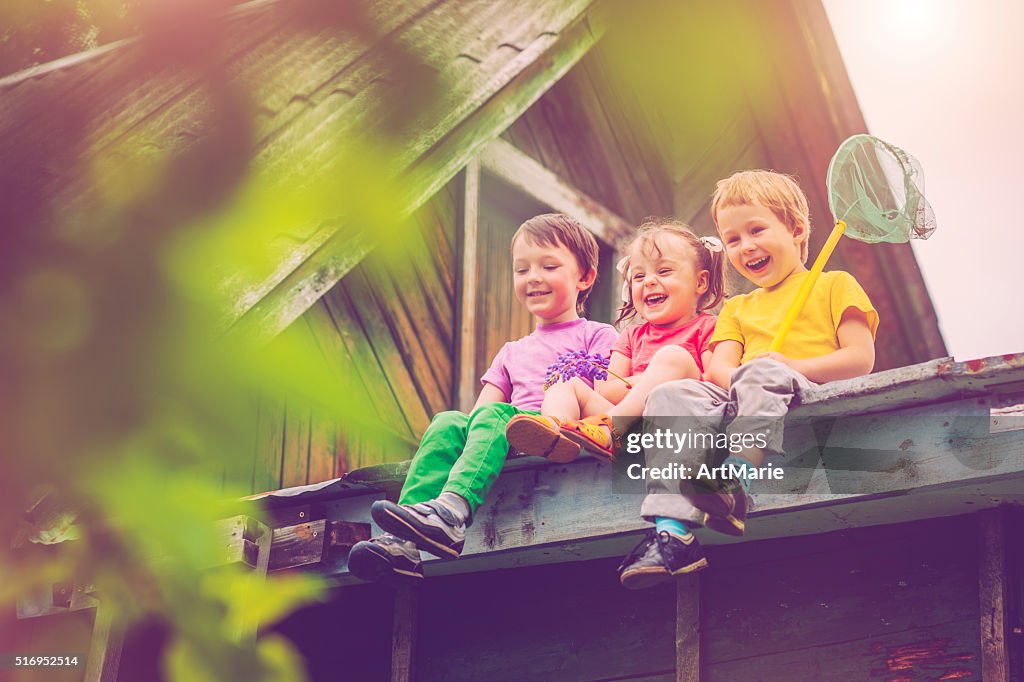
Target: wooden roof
[(338, 75), (308, 83)]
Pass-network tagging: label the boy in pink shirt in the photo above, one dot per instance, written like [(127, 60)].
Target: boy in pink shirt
[(554, 262)]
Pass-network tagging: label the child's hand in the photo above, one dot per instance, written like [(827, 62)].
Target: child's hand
[(796, 365)]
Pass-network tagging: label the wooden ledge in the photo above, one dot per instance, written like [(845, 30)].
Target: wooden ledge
[(916, 463)]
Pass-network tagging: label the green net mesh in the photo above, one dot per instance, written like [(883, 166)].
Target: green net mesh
[(877, 189)]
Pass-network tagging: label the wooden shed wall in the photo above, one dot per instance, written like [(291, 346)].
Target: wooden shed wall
[(389, 326), (891, 602)]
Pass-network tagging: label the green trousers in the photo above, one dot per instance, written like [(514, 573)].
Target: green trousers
[(460, 453)]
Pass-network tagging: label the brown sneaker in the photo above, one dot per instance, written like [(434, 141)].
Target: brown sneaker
[(714, 496), (733, 523)]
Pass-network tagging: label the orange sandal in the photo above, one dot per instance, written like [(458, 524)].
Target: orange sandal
[(589, 435), (540, 436)]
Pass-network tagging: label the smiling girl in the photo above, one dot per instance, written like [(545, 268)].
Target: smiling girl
[(672, 277)]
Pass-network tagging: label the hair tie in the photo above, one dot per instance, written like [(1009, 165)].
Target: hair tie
[(621, 268), (712, 244)]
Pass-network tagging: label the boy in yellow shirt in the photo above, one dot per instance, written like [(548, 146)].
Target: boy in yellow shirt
[(763, 220)]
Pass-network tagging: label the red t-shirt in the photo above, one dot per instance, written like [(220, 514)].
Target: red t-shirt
[(640, 342)]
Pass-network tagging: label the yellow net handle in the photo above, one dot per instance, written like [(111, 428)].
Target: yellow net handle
[(805, 289)]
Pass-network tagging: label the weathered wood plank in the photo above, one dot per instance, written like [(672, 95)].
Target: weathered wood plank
[(926, 653), (403, 635), (478, 120), (931, 381), (468, 283), (992, 592), (847, 586), (323, 449), (384, 345), (347, 338), (688, 628), (304, 544), (527, 175), (570, 622), (104, 655), (266, 471), (295, 462)]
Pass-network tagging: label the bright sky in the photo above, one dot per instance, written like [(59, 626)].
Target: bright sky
[(944, 80)]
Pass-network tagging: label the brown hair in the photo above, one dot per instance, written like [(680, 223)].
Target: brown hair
[(558, 229), (777, 192), (712, 261)]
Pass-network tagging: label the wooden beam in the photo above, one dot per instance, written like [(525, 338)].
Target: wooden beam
[(275, 304), (688, 628), (932, 381), (527, 175), (992, 591), (105, 647), (467, 288), (403, 635)]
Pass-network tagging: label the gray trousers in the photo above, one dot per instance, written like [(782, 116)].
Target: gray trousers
[(756, 403)]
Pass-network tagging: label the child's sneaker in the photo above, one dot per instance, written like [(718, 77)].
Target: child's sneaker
[(540, 436), (386, 558), (716, 497), (431, 525), (660, 556), (733, 523)]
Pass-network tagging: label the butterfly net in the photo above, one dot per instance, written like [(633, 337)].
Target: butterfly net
[(877, 189)]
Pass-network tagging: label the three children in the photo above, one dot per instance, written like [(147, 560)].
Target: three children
[(677, 364)]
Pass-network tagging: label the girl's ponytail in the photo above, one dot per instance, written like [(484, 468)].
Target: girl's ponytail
[(713, 260)]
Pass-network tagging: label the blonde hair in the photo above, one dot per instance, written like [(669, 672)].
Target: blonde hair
[(777, 192), (647, 238)]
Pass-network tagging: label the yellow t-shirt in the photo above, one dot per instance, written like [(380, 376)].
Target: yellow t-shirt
[(753, 318)]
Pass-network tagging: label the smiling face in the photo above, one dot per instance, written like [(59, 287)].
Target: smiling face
[(760, 246), (664, 281), (547, 280)]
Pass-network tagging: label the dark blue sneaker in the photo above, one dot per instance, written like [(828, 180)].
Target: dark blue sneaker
[(432, 526), (658, 557), (387, 559)]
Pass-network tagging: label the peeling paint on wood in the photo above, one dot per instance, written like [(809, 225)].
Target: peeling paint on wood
[(937, 658)]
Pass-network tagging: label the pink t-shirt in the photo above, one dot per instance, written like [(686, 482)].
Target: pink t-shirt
[(519, 367), (640, 342)]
